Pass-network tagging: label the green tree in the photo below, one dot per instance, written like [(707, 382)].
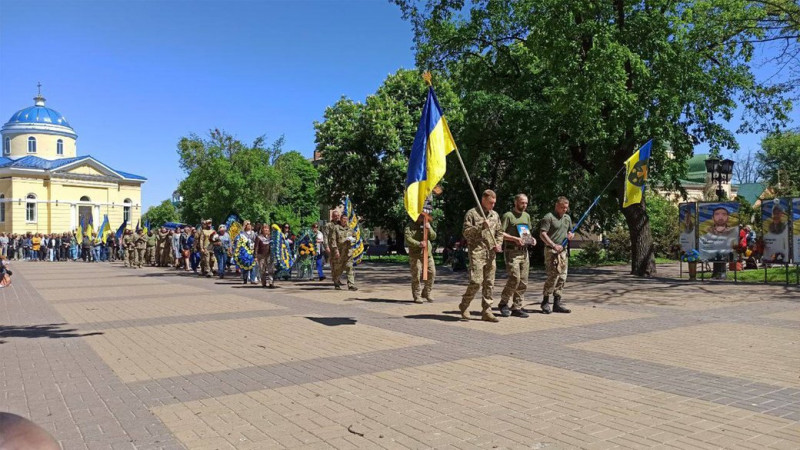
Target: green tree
[(559, 93), (365, 146), (297, 203), (780, 162), (161, 214), (224, 175)]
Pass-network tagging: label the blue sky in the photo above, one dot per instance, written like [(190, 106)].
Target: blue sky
[(132, 77)]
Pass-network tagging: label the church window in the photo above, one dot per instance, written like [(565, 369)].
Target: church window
[(7, 146), (59, 147), (30, 208), (2, 208), (126, 210), (31, 144)]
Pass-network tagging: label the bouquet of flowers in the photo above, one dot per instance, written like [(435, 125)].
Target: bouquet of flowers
[(691, 256)]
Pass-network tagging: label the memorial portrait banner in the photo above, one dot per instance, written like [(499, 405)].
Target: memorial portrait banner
[(775, 226), (718, 230), (796, 229), (687, 213)]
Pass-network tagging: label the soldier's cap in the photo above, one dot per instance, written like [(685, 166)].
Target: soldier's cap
[(722, 207)]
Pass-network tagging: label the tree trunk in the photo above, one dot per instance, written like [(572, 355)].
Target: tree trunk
[(643, 261)]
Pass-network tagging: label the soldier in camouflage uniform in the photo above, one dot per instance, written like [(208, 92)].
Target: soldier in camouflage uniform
[(327, 232), (484, 238), (553, 229), (341, 244), (140, 245), (414, 234), (130, 253), (204, 244), (150, 252), (517, 237)]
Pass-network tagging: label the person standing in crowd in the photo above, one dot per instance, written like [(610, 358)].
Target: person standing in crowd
[(127, 247), (140, 246), (111, 247), (186, 242), (415, 239), (177, 259), (516, 225), (86, 248), (222, 245), (27, 246), (341, 243), (161, 242), (554, 229), (319, 249), (249, 237), (484, 237), (97, 248), (3, 245), (36, 246), (263, 255), (204, 247), (151, 240), (328, 233)]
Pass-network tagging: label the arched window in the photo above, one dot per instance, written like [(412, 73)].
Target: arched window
[(31, 144), (7, 146), (59, 147), (85, 199), (30, 209), (126, 210), (2, 208)]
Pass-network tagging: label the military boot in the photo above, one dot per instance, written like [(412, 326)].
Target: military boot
[(546, 305), (464, 311), (558, 306), (488, 316)]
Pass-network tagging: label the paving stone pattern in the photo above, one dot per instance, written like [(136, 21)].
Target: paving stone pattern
[(157, 358)]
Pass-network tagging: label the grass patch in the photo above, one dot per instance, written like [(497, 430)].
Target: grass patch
[(774, 275)]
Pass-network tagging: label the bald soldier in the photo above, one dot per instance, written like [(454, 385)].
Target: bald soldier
[(484, 238), (554, 229), (517, 238)]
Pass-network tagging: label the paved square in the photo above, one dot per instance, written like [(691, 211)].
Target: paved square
[(157, 358)]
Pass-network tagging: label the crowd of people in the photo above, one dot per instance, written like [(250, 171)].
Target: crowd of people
[(252, 251)]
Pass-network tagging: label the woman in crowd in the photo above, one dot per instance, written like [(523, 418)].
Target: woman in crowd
[(36, 246), (247, 237)]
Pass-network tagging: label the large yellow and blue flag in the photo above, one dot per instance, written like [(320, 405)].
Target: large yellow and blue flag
[(105, 229), (89, 230), (636, 175), (79, 230), (427, 164)]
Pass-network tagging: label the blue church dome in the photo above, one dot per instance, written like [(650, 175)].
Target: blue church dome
[(39, 114)]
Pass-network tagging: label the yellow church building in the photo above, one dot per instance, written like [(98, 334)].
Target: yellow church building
[(45, 187)]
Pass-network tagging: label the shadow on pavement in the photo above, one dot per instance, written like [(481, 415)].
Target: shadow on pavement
[(439, 317), (378, 300), (51, 331), (333, 321)]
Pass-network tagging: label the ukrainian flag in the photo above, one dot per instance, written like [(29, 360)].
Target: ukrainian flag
[(79, 232), (105, 229), (427, 165), (636, 175), (121, 229)]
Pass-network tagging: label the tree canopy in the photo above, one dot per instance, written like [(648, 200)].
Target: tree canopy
[(558, 94), (160, 214), (365, 146), (257, 182), (779, 162)]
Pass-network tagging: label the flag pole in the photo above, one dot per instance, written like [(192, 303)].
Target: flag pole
[(472, 188), (596, 199)]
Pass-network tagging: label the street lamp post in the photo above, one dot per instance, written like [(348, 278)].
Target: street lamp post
[(720, 172)]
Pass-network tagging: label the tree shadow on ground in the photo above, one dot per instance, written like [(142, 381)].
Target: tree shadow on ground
[(333, 321), (50, 330)]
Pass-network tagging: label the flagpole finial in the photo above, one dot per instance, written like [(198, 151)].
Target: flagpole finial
[(427, 77)]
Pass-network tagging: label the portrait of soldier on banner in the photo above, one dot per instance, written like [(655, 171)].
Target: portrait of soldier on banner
[(718, 230), (775, 220), (525, 234), (687, 213)]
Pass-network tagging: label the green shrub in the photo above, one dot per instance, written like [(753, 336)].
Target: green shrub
[(591, 254)]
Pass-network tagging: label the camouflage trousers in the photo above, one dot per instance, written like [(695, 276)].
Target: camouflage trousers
[(266, 267), (130, 257), (556, 265), (415, 260), (482, 268), (149, 256), (343, 265), (517, 266), (206, 262), (140, 252)]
